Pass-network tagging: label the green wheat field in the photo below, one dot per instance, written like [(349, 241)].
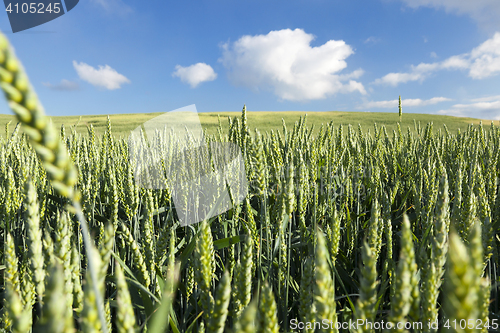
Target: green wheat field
[(353, 222), (263, 121)]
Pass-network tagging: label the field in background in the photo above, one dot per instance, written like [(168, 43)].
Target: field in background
[(265, 121)]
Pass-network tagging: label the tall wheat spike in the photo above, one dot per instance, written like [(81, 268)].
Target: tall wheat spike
[(219, 314), (324, 290), (365, 308), (35, 239), (401, 300), (203, 265), (435, 266), (89, 314), (246, 322), (460, 288), (307, 308), (268, 321), (55, 314), (13, 285), (125, 317), (18, 315), (243, 278)]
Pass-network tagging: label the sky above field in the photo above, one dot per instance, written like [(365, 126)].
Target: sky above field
[(120, 56)]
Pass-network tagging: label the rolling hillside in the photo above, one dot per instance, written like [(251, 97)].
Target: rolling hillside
[(122, 124)]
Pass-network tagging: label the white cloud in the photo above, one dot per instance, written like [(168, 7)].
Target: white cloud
[(486, 99), (484, 12), (195, 74), (482, 108), (486, 58), (353, 75), (105, 76), (394, 79), (418, 73), (434, 55), (455, 62), (114, 6), (482, 62), (64, 85), (372, 40), (284, 62), (450, 112), (495, 105), (405, 103)]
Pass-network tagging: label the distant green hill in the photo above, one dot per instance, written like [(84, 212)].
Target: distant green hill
[(122, 124)]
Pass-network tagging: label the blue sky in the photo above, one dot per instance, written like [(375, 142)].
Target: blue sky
[(119, 56)]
